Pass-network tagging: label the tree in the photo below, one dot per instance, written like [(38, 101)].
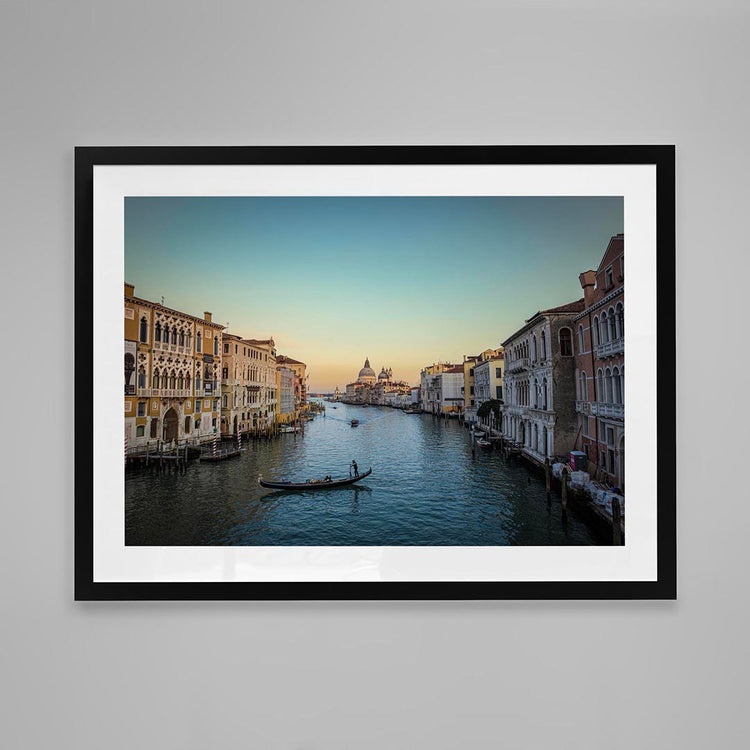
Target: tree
[(493, 405)]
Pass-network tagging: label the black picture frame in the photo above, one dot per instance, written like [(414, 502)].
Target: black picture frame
[(661, 156)]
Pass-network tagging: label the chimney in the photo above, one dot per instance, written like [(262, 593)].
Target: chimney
[(129, 289), (588, 282), (207, 317)]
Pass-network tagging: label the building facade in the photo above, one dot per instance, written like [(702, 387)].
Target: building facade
[(442, 389), (172, 368), (489, 376), (600, 366), (300, 379), (285, 406), (539, 405)]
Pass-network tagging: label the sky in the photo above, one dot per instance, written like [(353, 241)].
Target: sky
[(405, 281)]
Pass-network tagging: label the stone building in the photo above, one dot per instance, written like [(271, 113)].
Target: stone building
[(488, 376), (285, 406), (600, 366), (172, 367), (539, 409), (300, 379), (442, 389)]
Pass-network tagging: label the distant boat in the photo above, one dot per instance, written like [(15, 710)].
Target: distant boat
[(288, 428), (354, 422), (317, 484), (412, 411), (482, 443)]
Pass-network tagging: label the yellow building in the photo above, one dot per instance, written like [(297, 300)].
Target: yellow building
[(470, 363), (248, 382), (172, 367)]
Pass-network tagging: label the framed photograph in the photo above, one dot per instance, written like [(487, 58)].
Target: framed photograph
[(375, 373)]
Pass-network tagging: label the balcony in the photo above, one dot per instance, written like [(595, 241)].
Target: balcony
[(616, 411), (522, 363), (610, 349), (583, 407)]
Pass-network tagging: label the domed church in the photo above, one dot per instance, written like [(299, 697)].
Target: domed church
[(367, 374)]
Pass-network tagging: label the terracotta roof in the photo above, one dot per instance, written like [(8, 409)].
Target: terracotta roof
[(576, 306), (288, 360), (455, 368)]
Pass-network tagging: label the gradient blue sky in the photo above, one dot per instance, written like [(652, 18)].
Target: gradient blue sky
[(406, 281)]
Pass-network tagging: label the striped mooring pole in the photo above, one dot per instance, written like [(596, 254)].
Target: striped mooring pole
[(126, 450), (214, 447), (239, 436)]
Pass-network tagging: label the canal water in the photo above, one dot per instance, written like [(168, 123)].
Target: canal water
[(425, 489)]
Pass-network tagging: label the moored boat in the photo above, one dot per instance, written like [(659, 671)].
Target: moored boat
[(482, 443), (315, 484), (354, 422)]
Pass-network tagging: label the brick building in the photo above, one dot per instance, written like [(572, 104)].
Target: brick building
[(600, 366)]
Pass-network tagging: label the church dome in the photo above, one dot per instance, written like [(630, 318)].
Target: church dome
[(383, 375), (366, 373)]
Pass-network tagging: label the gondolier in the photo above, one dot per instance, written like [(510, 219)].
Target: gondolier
[(355, 467)]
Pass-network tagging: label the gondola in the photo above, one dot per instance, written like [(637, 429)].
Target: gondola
[(354, 422), (319, 485)]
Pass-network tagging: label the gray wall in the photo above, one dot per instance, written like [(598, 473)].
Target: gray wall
[(366, 675)]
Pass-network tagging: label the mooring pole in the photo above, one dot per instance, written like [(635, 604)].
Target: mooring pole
[(548, 478), (565, 490), (616, 515)]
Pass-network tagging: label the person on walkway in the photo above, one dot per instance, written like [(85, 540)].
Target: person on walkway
[(355, 467)]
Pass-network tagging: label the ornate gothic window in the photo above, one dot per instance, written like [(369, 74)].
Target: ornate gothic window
[(157, 332), (144, 331)]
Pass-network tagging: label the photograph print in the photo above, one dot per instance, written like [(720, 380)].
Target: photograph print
[(374, 371)]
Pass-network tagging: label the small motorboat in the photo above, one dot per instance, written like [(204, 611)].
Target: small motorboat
[(314, 484), (354, 422), (482, 443), (288, 428)]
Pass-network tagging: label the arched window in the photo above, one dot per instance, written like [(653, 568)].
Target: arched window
[(544, 345), (155, 379), (173, 379), (187, 381), (197, 424), (616, 385), (581, 346), (181, 340), (188, 339), (198, 383), (180, 381), (604, 328), (187, 425), (566, 342), (536, 393), (619, 320), (533, 348), (584, 387), (608, 384), (157, 332), (216, 344), (225, 401), (164, 379), (595, 329), (600, 385), (174, 335), (544, 394), (165, 338), (141, 377), (611, 328), (224, 373), (144, 331), (198, 342)]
